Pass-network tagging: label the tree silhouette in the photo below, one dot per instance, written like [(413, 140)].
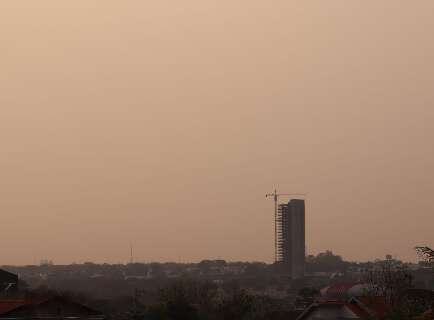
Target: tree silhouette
[(426, 253)]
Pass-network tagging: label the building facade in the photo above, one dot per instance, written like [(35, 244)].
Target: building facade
[(291, 237)]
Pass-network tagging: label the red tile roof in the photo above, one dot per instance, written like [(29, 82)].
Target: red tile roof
[(9, 305), (351, 306), (361, 307), (357, 310), (374, 305), (427, 315)]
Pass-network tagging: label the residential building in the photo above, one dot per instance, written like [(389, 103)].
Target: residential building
[(8, 282), (354, 308)]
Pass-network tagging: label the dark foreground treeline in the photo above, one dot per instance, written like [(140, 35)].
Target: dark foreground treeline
[(192, 299), (182, 298)]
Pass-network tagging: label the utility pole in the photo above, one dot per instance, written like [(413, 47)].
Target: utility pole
[(275, 196)]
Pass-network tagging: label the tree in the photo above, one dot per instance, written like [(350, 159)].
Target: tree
[(390, 282), (326, 262), (239, 305), (426, 253), (178, 300)]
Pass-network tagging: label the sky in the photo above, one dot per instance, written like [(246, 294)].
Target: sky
[(164, 124)]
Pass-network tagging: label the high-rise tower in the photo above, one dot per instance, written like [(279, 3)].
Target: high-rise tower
[(291, 237)]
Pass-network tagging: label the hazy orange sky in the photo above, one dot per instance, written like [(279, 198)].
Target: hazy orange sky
[(164, 123)]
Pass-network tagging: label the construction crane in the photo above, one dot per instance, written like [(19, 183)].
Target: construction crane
[(275, 196)]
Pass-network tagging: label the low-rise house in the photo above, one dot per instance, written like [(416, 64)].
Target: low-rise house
[(8, 281), (344, 291), (345, 301), (354, 308)]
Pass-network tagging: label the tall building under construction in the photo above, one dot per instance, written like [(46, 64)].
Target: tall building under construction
[(291, 237)]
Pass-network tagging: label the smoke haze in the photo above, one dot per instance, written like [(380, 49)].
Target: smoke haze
[(164, 123)]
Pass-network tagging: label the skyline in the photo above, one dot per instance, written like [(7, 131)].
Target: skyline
[(165, 124)]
